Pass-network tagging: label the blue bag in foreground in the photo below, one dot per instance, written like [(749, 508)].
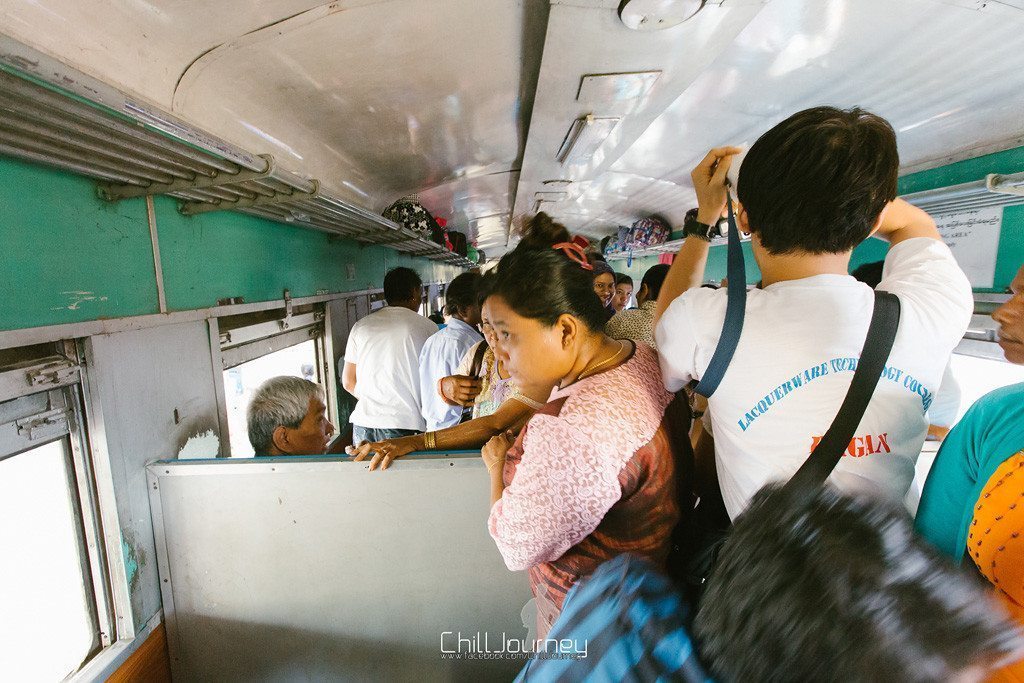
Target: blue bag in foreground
[(630, 625)]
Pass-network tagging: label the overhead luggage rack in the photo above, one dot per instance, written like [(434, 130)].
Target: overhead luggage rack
[(669, 247), (993, 191), (138, 152)]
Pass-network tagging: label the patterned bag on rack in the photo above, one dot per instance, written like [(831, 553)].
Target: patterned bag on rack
[(648, 232), (410, 214), (619, 242)]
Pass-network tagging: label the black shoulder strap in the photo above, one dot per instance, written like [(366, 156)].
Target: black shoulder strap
[(881, 334), (478, 359), (735, 309)]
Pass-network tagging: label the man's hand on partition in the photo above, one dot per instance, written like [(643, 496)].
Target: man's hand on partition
[(460, 390), (383, 452), (709, 183)]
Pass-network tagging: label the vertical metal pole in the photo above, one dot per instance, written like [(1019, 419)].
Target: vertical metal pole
[(218, 387), (157, 265)]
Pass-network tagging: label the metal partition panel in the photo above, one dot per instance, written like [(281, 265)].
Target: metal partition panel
[(316, 569)]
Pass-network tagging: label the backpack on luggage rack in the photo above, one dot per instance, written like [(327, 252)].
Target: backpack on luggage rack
[(410, 214), (648, 232)]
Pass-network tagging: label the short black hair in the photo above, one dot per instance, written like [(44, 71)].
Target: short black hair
[(653, 279), (461, 293), (818, 181), (542, 283), (402, 285), (869, 273), (623, 279), (817, 585)]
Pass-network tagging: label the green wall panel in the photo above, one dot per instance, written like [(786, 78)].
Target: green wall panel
[(220, 255), (67, 255), (71, 257)]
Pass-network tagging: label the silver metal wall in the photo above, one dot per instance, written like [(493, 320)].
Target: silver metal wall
[(316, 569)]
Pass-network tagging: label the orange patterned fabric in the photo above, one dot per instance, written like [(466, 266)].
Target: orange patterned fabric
[(995, 543)]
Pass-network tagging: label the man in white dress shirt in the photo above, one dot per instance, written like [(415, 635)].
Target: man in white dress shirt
[(444, 351)]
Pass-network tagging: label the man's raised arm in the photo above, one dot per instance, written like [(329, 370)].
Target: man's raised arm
[(687, 270)]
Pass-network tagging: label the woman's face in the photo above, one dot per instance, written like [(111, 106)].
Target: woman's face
[(622, 294), (604, 285), (533, 354)]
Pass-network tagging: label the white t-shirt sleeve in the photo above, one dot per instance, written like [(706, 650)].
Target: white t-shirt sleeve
[(677, 342), (354, 345), (934, 293), (946, 406)]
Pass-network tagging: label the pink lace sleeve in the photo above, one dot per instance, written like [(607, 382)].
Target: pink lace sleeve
[(562, 489)]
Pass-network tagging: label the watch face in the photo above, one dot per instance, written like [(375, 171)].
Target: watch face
[(721, 228)]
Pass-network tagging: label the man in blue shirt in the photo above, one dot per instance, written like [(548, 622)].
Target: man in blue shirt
[(443, 351)]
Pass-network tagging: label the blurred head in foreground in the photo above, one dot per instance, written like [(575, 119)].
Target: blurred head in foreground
[(823, 586)]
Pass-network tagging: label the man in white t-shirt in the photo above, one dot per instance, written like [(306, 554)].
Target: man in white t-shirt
[(382, 362), (810, 190)]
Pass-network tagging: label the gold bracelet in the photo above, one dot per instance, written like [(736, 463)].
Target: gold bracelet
[(430, 441)]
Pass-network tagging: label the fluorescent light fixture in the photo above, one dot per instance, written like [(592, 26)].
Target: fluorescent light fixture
[(543, 205), (585, 136), (551, 196), (600, 89)]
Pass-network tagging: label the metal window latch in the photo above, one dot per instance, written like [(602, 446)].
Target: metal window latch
[(59, 372), (44, 425), (286, 323)]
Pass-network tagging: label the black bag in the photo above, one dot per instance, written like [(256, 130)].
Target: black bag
[(410, 214), (459, 244), (700, 534)]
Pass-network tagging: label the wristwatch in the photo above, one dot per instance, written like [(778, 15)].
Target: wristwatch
[(694, 228)]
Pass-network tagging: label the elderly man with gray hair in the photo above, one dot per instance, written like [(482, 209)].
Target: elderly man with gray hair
[(288, 416)]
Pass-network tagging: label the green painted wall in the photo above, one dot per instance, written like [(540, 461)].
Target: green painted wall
[(70, 257), (217, 255), (67, 256), (1011, 240)]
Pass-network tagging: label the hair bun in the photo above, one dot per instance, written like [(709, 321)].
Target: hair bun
[(541, 232)]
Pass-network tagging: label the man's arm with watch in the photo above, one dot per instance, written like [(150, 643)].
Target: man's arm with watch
[(687, 270)]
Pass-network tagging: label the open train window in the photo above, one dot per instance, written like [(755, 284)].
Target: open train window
[(978, 363), (255, 348), (54, 592)]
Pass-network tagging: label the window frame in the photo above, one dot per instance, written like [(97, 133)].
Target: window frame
[(61, 378), (240, 344)]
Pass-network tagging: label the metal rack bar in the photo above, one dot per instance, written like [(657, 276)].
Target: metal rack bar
[(136, 151), (116, 192)]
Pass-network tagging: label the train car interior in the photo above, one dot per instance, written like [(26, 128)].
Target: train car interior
[(194, 199)]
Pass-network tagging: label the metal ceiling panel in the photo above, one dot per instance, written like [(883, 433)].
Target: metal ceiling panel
[(948, 74), (141, 46), (947, 77), (380, 100), (584, 40)]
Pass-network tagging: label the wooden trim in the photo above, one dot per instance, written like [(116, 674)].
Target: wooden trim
[(150, 663)]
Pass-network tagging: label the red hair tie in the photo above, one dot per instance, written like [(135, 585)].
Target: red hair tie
[(575, 253)]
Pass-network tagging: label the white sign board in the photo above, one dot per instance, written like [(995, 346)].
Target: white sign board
[(973, 236)]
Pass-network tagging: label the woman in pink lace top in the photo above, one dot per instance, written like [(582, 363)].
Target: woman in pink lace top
[(582, 482)]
